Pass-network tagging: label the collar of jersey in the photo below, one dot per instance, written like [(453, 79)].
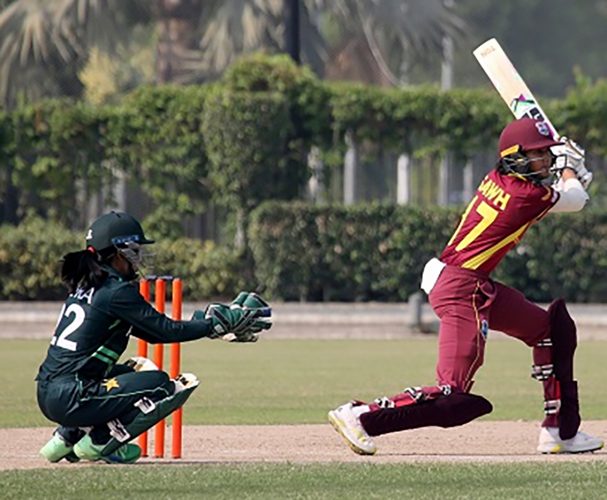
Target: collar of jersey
[(112, 272)]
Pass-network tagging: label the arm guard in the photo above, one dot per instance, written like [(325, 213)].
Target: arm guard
[(572, 196)]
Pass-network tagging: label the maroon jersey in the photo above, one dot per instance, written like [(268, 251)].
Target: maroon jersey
[(504, 208)]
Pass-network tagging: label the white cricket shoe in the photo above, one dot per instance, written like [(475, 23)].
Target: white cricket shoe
[(550, 442), (348, 425)]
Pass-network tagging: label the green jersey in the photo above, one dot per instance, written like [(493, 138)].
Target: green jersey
[(94, 327)]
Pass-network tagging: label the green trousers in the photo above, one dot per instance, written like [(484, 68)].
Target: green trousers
[(74, 403)]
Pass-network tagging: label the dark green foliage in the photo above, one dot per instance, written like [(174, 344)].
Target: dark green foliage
[(366, 252), (419, 119), (377, 252), (182, 145), (307, 97), (302, 252), (208, 271), (285, 241), (258, 127), (155, 137), (30, 259), (56, 149), (30, 263), (561, 256), (583, 114), (246, 139)]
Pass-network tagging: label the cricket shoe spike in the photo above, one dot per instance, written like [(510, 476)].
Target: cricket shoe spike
[(348, 426), (550, 442)]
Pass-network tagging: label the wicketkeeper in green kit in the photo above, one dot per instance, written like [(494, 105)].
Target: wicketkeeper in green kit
[(101, 405)]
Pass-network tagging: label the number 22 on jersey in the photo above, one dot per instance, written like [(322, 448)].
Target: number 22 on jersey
[(60, 339), (488, 215)]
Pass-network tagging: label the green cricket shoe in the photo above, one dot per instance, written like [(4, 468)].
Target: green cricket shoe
[(57, 449), (87, 450)]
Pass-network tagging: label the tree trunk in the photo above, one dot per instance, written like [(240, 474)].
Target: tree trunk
[(292, 36), (240, 236), (177, 54), (10, 203), (354, 61)]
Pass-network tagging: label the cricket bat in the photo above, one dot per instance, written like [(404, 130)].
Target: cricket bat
[(514, 91), (509, 84)]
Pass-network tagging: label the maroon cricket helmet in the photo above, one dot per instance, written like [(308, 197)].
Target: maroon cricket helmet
[(524, 135)]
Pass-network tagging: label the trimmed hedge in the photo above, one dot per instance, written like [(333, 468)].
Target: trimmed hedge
[(154, 138), (181, 145), (29, 259), (301, 252), (30, 263), (377, 252), (247, 140)]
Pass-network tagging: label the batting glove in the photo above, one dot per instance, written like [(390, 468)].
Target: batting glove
[(575, 159)]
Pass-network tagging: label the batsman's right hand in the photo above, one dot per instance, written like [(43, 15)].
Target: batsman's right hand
[(576, 160)]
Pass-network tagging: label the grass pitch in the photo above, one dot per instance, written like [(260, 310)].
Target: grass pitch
[(332, 481), (298, 381)]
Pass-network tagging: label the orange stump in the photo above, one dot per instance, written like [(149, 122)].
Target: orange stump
[(142, 350), (160, 284), (174, 370)]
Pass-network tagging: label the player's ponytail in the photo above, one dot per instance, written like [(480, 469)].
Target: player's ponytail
[(83, 269)]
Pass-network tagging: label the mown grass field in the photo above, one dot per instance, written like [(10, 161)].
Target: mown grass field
[(297, 381), (335, 481)]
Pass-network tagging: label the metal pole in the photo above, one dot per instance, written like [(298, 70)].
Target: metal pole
[(350, 169), (445, 179)]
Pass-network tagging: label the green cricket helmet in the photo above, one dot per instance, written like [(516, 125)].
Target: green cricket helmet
[(118, 232), (115, 229)]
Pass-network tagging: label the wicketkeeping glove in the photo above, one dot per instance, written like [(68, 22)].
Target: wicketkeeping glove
[(241, 321), (249, 300)]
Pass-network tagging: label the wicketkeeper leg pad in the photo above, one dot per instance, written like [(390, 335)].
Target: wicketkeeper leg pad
[(150, 413)]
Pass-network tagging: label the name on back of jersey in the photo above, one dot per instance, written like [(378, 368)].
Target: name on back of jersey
[(494, 193), (82, 294)]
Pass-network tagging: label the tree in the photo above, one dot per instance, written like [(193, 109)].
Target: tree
[(384, 40), (546, 40), (47, 42)]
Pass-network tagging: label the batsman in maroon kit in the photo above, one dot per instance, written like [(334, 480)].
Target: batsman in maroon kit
[(511, 198)]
